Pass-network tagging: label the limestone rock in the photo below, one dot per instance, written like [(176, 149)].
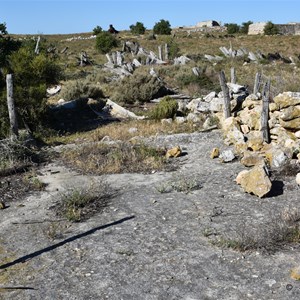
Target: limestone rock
[(192, 117), (216, 105), (214, 153), (174, 152), (254, 140), (251, 159), (298, 178), (210, 96), (273, 107), (287, 99), (180, 120), (276, 157), (251, 117), (292, 124), (166, 121), (295, 273), (297, 134), (192, 105), (245, 129), (227, 156), (290, 113), (241, 176), (255, 181)]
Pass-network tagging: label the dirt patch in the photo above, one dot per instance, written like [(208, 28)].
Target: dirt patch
[(148, 244)]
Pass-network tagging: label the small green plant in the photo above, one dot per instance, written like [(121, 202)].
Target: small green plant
[(79, 203), (271, 29), (138, 28), (105, 42), (97, 30), (162, 27), (166, 108)]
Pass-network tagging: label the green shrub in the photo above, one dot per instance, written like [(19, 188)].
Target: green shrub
[(32, 74), (137, 89), (97, 30), (232, 28), (81, 89), (166, 108), (271, 29), (245, 27), (162, 27), (105, 41), (138, 28)]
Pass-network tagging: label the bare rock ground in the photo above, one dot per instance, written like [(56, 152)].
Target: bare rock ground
[(147, 244)]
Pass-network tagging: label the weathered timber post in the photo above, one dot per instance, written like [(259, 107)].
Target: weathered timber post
[(225, 90), (265, 113), (14, 133), (166, 52), (160, 53), (37, 50), (233, 75), (257, 83)]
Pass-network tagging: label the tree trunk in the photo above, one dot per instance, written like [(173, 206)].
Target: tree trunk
[(14, 133), (265, 113), (225, 90)]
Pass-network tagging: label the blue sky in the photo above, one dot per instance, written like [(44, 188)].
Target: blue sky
[(75, 16)]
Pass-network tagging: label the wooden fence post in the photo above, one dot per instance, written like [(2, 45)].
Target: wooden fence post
[(225, 90), (160, 53), (14, 132), (233, 75), (166, 52), (257, 83), (265, 113)]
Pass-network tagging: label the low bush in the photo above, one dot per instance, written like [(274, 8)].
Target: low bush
[(166, 108), (105, 41), (81, 89), (138, 88)]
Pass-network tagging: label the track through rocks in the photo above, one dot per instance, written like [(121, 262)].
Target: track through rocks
[(147, 244)]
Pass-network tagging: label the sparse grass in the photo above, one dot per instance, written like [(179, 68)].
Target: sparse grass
[(280, 230), (120, 157), (33, 181), (77, 204)]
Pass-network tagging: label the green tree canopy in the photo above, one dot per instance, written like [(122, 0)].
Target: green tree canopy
[(162, 27), (232, 28), (105, 41), (245, 27), (271, 29), (138, 28)]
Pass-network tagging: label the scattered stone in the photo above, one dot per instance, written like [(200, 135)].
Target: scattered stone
[(255, 181), (210, 96), (298, 178), (227, 156), (174, 152), (295, 273), (251, 159), (215, 153), (166, 121), (180, 120), (2, 205), (287, 99)]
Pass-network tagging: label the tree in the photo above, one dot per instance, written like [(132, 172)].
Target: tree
[(271, 29), (232, 28), (97, 30), (32, 74), (245, 27), (162, 27), (105, 41), (138, 28)]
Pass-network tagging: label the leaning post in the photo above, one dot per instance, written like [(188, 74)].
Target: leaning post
[(14, 132), (265, 113), (225, 90)]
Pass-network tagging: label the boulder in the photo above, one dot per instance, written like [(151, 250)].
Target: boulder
[(192, 117), (287, 99), (276, 157), (210, 96), (192, 105), (251, 117), (166, 121), (180, 120), (254, 140), (255, 181), (290, 113), (291, 125)]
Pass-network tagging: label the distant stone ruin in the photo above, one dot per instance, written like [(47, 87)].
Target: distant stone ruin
[(285, 29), (210, 23)]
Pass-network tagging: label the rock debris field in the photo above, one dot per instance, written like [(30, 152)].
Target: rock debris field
[(151, 241)]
